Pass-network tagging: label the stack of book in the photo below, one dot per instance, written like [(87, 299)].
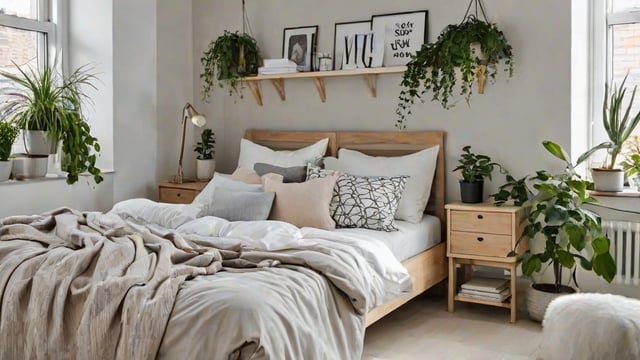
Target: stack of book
[(489, 289), (277, 66)]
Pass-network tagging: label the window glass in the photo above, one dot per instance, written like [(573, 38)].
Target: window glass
[(22, 8), (626, 60), (620, 5)]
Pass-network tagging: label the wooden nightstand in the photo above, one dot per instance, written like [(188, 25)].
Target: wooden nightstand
[(483, 234), (180, 193)]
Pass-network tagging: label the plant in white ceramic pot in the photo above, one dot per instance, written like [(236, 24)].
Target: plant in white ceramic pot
[(8, 134), (619, 124), (205, 148)]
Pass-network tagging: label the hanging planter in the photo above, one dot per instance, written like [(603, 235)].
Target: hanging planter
[(463, 53)]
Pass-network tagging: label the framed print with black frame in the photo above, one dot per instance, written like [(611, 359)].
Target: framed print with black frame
[(400, 34), (343, 33), (298, 45)]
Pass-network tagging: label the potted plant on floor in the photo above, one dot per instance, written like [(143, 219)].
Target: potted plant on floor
[(474, 169), (572, 234), (619, 124), (205, 148), (8, 134), (48, 108), (631, 163), (462, 53)]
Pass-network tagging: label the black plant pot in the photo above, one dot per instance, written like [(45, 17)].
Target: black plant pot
[(471, 192)]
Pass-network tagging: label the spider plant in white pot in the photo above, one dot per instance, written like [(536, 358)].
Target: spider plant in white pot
[(8, 134)]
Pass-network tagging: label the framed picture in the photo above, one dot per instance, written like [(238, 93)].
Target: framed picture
[(400, 35), (345, 36), (298, 45)]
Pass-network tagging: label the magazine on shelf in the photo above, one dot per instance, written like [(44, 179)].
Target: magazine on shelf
[(493, 297), (501, 296), (491, 285)]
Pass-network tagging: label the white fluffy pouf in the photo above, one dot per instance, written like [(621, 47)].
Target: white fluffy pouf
[(591, 326)]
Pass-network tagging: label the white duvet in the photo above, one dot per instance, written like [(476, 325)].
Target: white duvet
[(312, 306)]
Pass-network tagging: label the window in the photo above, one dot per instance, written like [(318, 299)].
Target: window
[(28, 36)]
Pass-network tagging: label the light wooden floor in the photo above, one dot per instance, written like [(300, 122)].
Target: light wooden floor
[(423, 329)]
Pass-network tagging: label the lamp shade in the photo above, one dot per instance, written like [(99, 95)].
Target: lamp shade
[(199, 120)]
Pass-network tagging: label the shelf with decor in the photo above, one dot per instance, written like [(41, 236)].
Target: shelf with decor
[(277, 80)]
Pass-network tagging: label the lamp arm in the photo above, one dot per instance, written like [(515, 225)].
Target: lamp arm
[(184, 131)]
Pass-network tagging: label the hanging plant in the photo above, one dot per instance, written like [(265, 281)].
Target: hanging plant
[(463, 52)]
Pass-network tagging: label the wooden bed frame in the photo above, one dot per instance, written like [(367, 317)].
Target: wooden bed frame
[(427, 268)]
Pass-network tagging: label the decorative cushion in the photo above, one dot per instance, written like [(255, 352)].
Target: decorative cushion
[(303, 204), (252, 153), (364, 202), (419, 166), (293, 174), (246, 176), (241, 205), (205, 199)]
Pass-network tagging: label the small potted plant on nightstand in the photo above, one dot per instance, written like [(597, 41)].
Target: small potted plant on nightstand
[(474, 169), (206, 165), (8, 134)]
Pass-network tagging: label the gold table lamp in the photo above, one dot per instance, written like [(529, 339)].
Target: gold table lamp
[(188, 112)]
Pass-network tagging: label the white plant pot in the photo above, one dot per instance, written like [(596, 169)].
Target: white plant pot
[(538, 301), (5, 170), (37, 142), (608, 179), (205, 169), (29, 167)]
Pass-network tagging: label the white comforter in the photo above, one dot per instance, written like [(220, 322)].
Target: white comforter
[(312, 306)]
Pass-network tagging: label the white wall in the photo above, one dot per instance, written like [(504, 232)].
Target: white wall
[(509, 122)]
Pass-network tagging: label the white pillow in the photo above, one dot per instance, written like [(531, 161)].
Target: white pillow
[(204, 200), (252, 153), (420, 167), (146, 211)]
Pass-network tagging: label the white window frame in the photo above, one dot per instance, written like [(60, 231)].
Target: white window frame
[(601, 54), (52, 22)]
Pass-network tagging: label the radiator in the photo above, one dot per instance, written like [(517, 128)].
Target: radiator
[(625, 249)]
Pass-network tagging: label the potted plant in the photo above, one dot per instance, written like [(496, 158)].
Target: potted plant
[(8, 134), (205, 148), (48, 107), (631, 163), (572, 234), (474, 169), (463, 52), (618, 123), (228, 59)]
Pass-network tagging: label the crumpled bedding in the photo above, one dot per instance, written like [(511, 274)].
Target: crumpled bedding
[(98, 286)]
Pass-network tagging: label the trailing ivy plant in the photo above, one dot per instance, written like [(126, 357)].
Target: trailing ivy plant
[(451, 63), (227, 60)]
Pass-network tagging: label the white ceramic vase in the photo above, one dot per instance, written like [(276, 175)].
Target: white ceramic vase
[(5, 170), (608, 179), (37, 142), (205, 169), (29, 167)]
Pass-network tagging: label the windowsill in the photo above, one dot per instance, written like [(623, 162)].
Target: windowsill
[(626, 193), (47, 178)]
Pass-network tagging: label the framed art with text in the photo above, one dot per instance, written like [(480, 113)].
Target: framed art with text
[(344, 40), (400, 35)]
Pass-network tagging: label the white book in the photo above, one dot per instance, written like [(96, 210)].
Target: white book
[(486, 284), (499, 298), (268, 63)]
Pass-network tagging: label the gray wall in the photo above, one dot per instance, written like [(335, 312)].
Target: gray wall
[(508, 122)]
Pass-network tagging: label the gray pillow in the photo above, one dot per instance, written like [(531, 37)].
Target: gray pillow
[(294, 174), (241, 205)]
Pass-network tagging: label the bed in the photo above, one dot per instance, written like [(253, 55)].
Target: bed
[(150, 280), (427, 268)]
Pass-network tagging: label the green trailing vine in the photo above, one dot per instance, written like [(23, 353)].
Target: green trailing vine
[(451, 62), (227, 60)]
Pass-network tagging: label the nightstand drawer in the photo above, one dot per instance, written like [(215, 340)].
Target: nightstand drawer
[(480, 244), (177, 196), (481, 221)]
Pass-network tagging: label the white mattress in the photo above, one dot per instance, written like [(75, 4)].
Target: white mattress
[(410, 240)]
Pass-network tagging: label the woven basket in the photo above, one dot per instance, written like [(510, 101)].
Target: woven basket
[(538, 301)]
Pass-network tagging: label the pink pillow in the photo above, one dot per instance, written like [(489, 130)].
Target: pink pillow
[(303, 204), (249, 176)]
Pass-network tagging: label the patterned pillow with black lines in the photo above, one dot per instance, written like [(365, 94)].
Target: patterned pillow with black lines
[(364, 202)]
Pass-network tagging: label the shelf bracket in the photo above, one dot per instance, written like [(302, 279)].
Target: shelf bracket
[(319, 82), (372, 80), (256, 91), (279, 85)]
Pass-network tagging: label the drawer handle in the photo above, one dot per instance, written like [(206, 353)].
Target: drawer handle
[(481, 239), (178, 195), (480, 217)]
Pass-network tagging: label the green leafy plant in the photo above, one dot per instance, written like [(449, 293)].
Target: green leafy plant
[(475, 167), (631, 154), (438, 67), (228, 59), (8, 135), (618, 122), (515, 190), (206, 146), (46, 100), (573, 234)]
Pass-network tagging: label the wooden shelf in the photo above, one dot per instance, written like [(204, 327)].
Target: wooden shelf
[(485, 302), (277, 80)]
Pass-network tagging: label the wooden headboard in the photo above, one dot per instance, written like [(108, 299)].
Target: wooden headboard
[(371, 143)]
